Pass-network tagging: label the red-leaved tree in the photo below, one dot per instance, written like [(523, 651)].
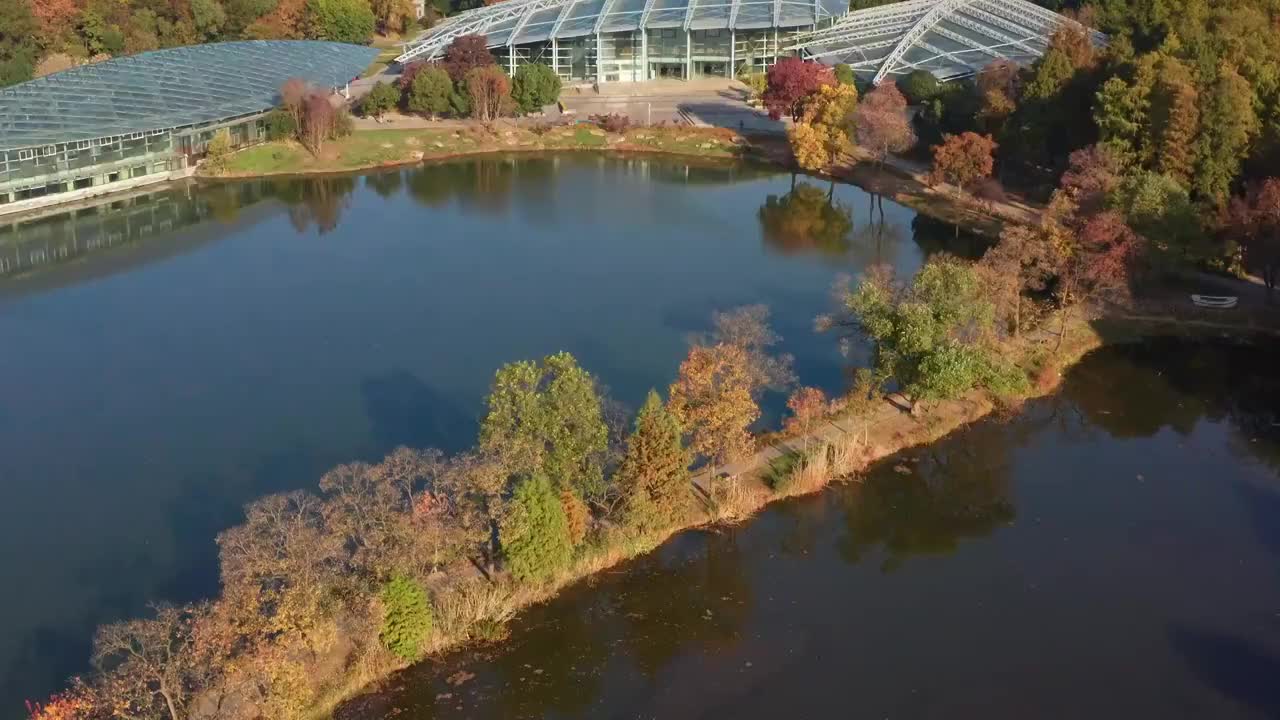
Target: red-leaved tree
[(963, 159), (1254, 222), (465, 54), (790, 82), (317, 121), (1093, 174), (881, 125)]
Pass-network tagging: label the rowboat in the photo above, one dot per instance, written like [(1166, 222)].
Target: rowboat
[(1217, 302)]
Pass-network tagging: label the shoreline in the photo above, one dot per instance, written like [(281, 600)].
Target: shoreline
[(889, 432)]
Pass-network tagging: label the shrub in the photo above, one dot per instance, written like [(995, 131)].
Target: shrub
[(406, 617), (281, 125), (534, 86), (919, 86), (844, 74), (756, 84), (218, 150), (611, 122), (381, 98), (430, 90), (535, 533)]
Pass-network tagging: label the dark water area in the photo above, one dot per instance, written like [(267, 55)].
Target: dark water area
[(1110, 552), (169, 357)]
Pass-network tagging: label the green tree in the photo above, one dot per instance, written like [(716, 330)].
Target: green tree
[(281, 125), (349, 21), (1229, 126), (844, 74), (534, 532), (208, 17), (931, 337), (17, 42), (919, 86), (1175, 120), (1159, 208), (406, 617), (218, 151), (1120, 113), (653, 479), (534, 86), (429, 93), (381, 99), (545, 417)]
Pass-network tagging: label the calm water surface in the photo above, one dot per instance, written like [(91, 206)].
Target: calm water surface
[(169, 358), (1112, 552)]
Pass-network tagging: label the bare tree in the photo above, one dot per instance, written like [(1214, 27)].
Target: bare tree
[(148, 665), (293, 95)]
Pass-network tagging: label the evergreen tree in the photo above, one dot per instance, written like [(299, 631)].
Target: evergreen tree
[(654, 476), (534, 86), (1230, 124), (1175, 120), (406, 617), (535, 534), (430, 90)]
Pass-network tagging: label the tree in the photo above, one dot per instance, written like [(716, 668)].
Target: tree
[(406, 617), (208, 16), (1093, 175), (1025, 259), (1160, 209), (920, 86), (218, 150), (711, 399), (535, 534), (392, 16), (317, 122), (489, 90), (790, 83), (881, 123), (382, 98), (1175, 121), (293, 98), (822, 137), (149, 665), (807, 405), (534, 86), (464, 54), (1229, 126), (844, 74), (930, 336), (546, 417), (18, 31), (430, 91), (1120, 112), (55, 19), (349, 21), (653, 479), (748, 327), (962, 159), (1254, 222), (281, 125)]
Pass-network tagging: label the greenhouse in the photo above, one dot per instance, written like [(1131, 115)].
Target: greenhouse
[(632, 40), (143, 118), (949, 38)]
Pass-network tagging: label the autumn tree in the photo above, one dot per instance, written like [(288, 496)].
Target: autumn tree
[(317, 121), (1093, 176), (148, 665), (293, 98), (1023, 260), (429, 91), (1230, 123), (547, 417), (821, 138), (712, 400), (881, 123), (489, 90), (653, 479), (808, 405), (535, 533), (790, 83), (464, 54), (1254, 222), (962, 159), (1175, 121), (748, 327), (392, 16)]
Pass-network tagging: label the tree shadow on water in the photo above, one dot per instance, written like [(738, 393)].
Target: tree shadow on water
[(403, 410), (1237, 668)]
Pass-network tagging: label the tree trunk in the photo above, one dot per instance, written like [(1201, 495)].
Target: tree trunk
[(168, 700), (1017, 313)]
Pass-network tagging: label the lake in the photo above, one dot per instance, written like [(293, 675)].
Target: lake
[(173, 355), (1110, 552)]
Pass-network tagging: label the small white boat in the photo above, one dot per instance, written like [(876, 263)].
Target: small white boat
[(1217, 302)]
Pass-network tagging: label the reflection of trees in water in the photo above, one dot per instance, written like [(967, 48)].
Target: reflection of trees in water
[(318, 201), (806, 219), (1137, 390), (935, 236), (958, 490), (385, 184), (483, 184)]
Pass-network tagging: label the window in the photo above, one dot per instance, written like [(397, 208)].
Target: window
[(26, 154), (82, 183), (138, 171), (48, 150)]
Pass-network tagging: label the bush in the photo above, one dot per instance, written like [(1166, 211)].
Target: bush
[(281, 125), (611, 122), (430, 91), (534, 86), (844, 74), (381, 98), (406, 617), (756, 84), (218, 150), (343, 125), (919, 86), (535, 534)]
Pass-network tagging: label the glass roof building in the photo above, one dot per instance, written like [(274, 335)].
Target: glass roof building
[(629, 40), (949, 38), (138, 118)]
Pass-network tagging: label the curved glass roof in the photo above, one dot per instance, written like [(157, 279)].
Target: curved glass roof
[(950, 38), (170, 88), (516, 22)]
